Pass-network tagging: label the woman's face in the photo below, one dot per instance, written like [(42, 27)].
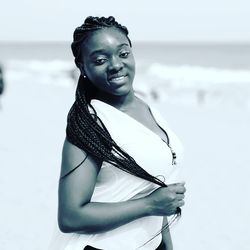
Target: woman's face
[(108, 62)]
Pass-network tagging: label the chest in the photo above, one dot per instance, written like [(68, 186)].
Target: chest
[(148, 150), (144, 116)]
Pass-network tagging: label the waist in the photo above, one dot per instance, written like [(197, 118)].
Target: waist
[(130, 236)]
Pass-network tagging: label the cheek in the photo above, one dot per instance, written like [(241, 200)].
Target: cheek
[(131, 64), (96, 74), (132, 69)]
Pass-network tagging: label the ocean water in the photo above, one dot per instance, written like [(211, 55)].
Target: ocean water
[(232, 56), (183, 73)]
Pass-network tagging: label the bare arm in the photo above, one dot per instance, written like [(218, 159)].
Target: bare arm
[(77, 214)]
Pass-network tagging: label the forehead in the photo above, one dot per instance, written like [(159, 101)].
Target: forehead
[(105, 38)]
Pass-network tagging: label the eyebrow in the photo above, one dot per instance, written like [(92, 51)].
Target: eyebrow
[(103, 50)]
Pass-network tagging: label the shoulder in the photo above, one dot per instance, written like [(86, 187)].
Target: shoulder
[(71, 153), (73, 157)]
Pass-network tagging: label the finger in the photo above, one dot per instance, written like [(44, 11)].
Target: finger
[(180, 196), (178, 189), (182, 183), (180, 203)]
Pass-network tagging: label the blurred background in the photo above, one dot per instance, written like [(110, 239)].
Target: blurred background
[(193, 64)]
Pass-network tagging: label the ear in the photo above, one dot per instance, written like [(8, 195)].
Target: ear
[(81, 68)]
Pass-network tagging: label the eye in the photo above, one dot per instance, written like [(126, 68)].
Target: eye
[(124, 54), (100, 61)]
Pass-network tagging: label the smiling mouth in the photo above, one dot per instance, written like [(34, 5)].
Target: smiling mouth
[(118, 79)]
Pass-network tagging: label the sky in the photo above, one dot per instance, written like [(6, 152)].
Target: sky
[(158, 20)]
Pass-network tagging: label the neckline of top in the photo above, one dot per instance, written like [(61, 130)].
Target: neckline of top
[(136, 121)]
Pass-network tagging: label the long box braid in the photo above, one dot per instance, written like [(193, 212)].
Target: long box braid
[(85, 129)]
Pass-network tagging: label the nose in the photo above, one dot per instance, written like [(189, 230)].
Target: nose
[(115, 64)]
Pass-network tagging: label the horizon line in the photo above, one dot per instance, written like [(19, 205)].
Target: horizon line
[(177, 42)]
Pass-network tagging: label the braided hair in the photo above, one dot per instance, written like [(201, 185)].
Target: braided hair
[(84, 128)]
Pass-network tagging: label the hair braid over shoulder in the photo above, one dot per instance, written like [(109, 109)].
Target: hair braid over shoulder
[(84, 128)]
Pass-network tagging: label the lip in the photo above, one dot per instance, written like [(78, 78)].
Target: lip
[(118, 80), (117, 77)]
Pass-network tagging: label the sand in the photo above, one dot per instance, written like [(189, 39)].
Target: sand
[(216, 167)]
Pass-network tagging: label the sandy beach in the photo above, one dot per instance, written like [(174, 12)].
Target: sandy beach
[(216, 169)]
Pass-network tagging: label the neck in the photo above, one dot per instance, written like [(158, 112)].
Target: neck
[(120, 102)]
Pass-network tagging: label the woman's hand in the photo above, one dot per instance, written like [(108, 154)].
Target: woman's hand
[(165, 200)]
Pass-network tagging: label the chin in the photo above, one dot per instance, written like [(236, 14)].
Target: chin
[(122, 91)]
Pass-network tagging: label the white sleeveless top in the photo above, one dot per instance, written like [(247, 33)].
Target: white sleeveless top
[(115, 185)]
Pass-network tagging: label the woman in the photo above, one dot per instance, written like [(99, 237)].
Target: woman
[(116, 157)]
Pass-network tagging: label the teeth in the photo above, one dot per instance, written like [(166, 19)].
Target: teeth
[(117, 78)]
